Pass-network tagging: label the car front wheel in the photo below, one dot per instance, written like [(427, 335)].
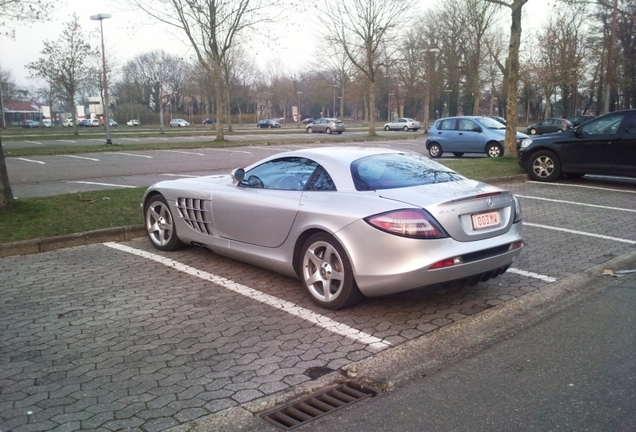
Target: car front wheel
[(160, 224), (544, 166), (310, 130), (326, 273), (386, 128), (435, 151), (494, 150)]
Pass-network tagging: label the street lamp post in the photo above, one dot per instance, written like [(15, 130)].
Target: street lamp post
[(335, 86), (448, 92), (427, 102), (101, 17)]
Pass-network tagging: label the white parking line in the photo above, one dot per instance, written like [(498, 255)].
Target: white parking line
[(81, 157), (184, 152), (68, 141), (34, 142), (233, 151), (130, 154), (283, 305), (583, 186), (130, 139), (103, 184), (532, 275), (31, 160), (580, 233), (576, 203)]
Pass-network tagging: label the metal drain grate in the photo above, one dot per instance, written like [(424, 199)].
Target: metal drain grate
[(317, 405)]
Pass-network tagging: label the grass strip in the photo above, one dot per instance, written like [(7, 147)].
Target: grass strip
[(58, 215)]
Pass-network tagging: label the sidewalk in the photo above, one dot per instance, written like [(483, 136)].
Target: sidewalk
[(557, 359)]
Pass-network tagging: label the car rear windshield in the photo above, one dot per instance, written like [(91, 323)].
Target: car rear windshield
[(398, 170)]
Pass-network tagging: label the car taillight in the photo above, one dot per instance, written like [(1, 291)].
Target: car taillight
[(408, 223)]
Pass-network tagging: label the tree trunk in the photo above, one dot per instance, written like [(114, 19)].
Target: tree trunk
[(372, 108), (510, 145), (218, 89), (6, 196)]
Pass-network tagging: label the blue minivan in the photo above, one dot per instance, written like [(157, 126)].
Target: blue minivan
[(467, 134)]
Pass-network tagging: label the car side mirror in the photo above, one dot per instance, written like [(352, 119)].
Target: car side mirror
[(476, 129), (238, 175)]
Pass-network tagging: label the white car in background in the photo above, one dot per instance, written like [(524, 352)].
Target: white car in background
[(179, 123), (132, 123), (403, 123), (68, 123), (46, 123)]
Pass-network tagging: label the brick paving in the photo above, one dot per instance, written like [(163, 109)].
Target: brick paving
[(93, 338)]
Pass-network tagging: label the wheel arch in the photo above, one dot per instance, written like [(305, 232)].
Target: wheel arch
[(494, 142), (300, 241)]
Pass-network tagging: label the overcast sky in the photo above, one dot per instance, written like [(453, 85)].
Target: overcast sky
[(129, 33)]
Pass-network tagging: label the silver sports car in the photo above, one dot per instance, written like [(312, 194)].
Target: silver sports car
[(349, 222)]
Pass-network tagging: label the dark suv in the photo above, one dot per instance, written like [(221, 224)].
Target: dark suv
[(605, 145), (268, 123)]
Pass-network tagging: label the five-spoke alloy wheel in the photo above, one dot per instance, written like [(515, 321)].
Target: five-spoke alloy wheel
[(327, 274), (160, 224)]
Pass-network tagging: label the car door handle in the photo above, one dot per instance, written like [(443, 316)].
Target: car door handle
[(461, 133)]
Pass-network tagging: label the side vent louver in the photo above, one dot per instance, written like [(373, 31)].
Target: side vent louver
[(195, 214)]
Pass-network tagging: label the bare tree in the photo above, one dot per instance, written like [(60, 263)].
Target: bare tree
[(516, 8), (12, 12), (212, 27), (365, 29), (66, 62)]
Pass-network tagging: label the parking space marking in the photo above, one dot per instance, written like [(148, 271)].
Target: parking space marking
[(130, 139), (576, 203), (31, 160), (544, 278), (283, 305), (104, 184), (184, 152), (81, 157), (604, 237), (34, 142), (234, 151), (583, 186), (68, 141), (130, 154)]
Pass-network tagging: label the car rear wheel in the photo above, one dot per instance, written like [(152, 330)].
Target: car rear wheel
[(494, 150), (326, 273), (406, 128), (544, 166), (160, 224), (328, 131), (386, 128), (532, 131), (458, 154), (435, 151), (310, 130)]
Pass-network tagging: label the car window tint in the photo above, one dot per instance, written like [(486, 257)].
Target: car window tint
[(629, 126), (397, 170), (285, 173), (447, 125), (603, 126), (320, 181)]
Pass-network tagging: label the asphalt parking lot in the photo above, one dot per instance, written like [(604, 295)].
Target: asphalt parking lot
[(116, 336)]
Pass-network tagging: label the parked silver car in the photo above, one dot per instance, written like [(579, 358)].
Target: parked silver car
[(347, 221), (179, 123), (403, 123), (326, 125)]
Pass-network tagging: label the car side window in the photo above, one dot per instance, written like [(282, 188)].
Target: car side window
[(603, 126), (447, 125), (629, 126), (320, 181), (466, 125), (283, 174)]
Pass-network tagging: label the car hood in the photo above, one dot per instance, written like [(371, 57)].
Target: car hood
[(502, 133)]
